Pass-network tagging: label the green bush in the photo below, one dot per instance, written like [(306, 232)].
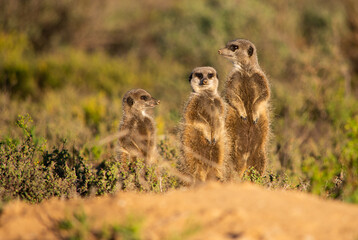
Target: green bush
[(23, 73), (336, 176), (22, 173), (271, 179), (30, 172), (349, 160), (66, 165), (322, 174), (133, 176)]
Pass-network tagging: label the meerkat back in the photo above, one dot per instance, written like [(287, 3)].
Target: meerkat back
[(247, 95), (203, 133)]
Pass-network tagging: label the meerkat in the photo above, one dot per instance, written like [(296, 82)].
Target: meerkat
[(247, 94), (203, 129), (137, 128)]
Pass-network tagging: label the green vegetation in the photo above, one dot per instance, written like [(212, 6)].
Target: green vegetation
[(77, 226), (190, 229), (30, 172), (67, 65)]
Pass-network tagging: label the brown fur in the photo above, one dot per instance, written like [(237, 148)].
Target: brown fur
[(137, 128), (247, 93), (203, 132)]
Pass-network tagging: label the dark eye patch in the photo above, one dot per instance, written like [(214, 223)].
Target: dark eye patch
[(250, 51), (145, 98), (130, 101), (199, 75), (233, 47), (210, 75)]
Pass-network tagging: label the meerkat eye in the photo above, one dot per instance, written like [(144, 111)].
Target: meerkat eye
[(210, 75), (199, 75), (233, 47), (145, 98)]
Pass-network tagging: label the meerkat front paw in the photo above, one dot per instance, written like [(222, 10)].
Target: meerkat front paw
[(255, 118), (243, 115), (211, 142)]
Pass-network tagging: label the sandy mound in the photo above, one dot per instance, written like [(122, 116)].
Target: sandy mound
[(211, 211)]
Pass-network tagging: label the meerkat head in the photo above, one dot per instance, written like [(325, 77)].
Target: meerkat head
[(204, 79), (241, 52), (138, 100)]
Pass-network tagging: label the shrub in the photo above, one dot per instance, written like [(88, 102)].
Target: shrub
[(66, 165), (22, 173), (336, 176), (30, 172), (321, 174), (133, 175), (270, 179), (350, 162)]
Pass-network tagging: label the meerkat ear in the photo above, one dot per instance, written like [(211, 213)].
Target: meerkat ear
[(217, 75), (250, 51), (130, 101), (190, 77)]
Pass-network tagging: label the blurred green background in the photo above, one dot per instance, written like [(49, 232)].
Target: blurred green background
[(68, 63)]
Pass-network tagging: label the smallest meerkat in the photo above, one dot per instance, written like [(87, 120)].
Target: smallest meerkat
[(203, 131), (137, 128)]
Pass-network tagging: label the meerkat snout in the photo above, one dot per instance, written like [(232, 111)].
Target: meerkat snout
[(153, 102), (203, 81)]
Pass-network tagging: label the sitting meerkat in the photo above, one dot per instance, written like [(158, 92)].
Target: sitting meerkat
[(203, 130), (247, 94), (137, 128)]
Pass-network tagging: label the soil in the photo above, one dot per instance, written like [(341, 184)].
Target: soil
[(209, 211)]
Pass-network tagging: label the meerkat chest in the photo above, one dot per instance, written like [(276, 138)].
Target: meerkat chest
[(146, 126), (217, 105), (244, 86), (211, 108), (142, 126)]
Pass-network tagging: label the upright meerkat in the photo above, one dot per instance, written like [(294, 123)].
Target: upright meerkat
[(247, 94), (137, 128), (203, 132)]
